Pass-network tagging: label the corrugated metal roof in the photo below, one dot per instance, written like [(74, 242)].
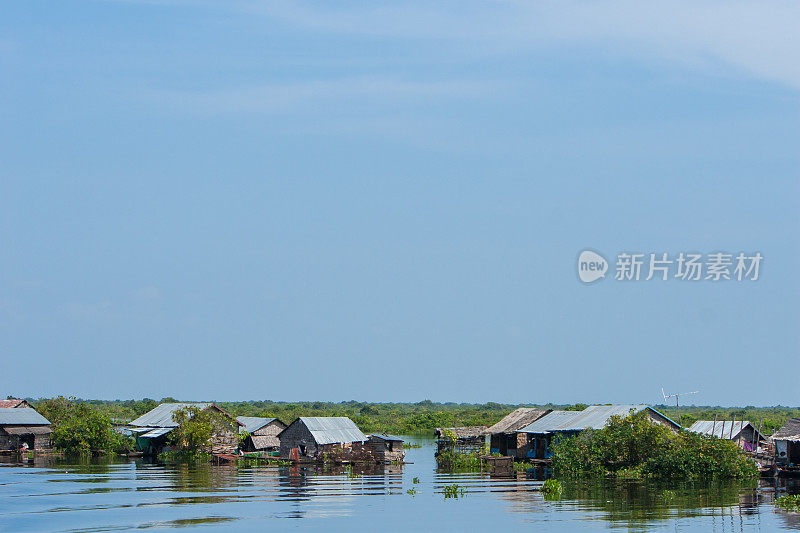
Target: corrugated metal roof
[(14, 402), (593, 417), (597, 416), (553, 421), (333, 429), (252, 423), (157, 432), (385, 436), (721, 428), (13, 416), (162, 416)]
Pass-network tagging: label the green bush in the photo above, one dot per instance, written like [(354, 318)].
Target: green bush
[(634, 446), (79, 429)]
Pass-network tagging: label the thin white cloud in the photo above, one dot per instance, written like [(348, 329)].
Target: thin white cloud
[(282, 96), (757, 38)]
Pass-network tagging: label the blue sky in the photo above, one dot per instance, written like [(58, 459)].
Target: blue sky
[(330, 201)]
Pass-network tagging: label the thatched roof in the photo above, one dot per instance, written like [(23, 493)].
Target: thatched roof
[(790, 431), (517, 419), (464, 432)]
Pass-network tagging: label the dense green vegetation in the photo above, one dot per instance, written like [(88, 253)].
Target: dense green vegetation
[(789, 502), (636, 447), (80, 429), (423, 417)]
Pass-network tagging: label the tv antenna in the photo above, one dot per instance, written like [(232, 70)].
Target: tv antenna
[(677, 398)]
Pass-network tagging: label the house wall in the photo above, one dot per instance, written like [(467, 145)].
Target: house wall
[(226, 437), (294, 436), (385, 451), (35, 442)]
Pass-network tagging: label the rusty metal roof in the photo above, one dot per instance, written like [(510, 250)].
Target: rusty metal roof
[(516, 420), (12, 416), (14, 402), (333, 429)]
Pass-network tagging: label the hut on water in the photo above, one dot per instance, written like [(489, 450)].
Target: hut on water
[(386, 448), (504, 436), (23, 428), (262, 433), (743, 433), (461, 439), (321, 438), (787, 446), (541, 433), (153, 429)]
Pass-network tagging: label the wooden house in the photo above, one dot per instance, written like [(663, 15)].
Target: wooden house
[(505, 437), (23, 428), (461, 439), (787, 447), (743, 433), (541, 434), (386, 448), (152, 430), (320, 438), (262, 433)]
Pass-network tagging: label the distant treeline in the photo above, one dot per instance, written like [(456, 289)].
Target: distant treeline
[(426, 415)]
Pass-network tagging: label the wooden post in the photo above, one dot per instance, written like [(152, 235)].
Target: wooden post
[(730, 433), (714, 426)]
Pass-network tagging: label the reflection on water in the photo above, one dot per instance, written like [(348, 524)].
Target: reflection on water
[(59, 495)]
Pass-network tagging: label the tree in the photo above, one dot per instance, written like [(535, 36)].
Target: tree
[(80, 429), (196, 427)]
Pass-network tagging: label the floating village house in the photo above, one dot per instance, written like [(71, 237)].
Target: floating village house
[(504, 436), (386, 448), (152, 429), (461, 439), (262, 433), (23, 427), (540, 434), (316, 438), (742, 432), (787, 446)]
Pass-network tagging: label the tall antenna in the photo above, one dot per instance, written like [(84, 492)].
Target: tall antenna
[(677, 397)]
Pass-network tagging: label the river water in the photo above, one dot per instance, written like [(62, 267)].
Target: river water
[(55, 495)]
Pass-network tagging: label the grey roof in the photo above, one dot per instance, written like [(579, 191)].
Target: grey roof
[(162, 416), (252, 423), (593, 417), (721, 428), (386, 436), (553, 421), (516, 420), (12, 416), (333, 429), (790, 431)]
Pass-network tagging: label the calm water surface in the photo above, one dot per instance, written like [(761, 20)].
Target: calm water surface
[(137, 495)]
